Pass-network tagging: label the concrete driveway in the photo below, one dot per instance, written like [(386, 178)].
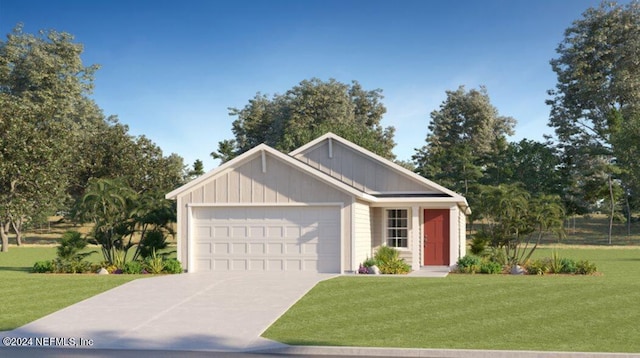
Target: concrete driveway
[(198, 312)]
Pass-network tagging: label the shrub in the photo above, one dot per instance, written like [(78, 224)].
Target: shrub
[(585, 267), (479, 244), (362, 269), (555, 263), (498, 255), (154, 263), (490, 267), (132, 267), (389, 262), (153, 241), (568, 266), (469, 264), (43, 267), (537, 267), (71, 243), (75, 265), (370, 262), (172, 266)]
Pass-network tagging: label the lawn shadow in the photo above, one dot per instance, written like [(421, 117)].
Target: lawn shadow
[(15, 269)]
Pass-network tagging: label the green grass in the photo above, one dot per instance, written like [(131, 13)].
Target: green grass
[(549, 313), (27, 296)]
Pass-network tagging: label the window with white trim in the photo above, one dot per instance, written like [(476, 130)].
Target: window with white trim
[(398, 228)]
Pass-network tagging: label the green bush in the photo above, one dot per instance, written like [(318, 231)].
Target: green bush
[(43, 267), (75, 265), (498, 255), (469, 264), (585, 267), (568, 266), (537, 266), (71, 243), (370, 262), (133, 268), (479, 243), (555, 263), (172, 266), (490, 267), (389, 262), (153, 241), (154, 263)]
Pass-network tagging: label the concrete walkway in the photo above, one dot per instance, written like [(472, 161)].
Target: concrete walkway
[(222, 312)]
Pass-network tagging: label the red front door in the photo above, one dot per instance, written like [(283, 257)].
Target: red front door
[(436, 237)]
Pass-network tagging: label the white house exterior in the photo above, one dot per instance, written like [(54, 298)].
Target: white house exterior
[(325, 207)]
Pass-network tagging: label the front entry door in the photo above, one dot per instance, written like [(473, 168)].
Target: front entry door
[(436, 237)]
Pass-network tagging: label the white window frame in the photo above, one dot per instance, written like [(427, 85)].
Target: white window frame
[(396, 239)]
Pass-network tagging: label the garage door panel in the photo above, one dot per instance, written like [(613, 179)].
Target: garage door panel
[(221, 248), (256, 248), (239, 248), (275, 248), (267, 239), (220, 232), (275, 232)]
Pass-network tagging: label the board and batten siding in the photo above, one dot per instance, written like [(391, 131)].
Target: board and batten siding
[(362, 230), (357, 170), (280, 183)]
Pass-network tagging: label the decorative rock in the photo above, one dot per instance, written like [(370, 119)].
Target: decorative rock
[(374, 270), (517, 270), (103, 271)]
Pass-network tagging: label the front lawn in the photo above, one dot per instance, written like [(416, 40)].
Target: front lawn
[(27, 297), (550, 313)]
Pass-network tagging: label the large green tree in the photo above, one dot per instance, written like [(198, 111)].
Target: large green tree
[(465, 134), (533, 164), (305, 112), (597, 96), (43, 93)]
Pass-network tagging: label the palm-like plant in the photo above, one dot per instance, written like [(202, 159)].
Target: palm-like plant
[(515, 220), (107, 203)]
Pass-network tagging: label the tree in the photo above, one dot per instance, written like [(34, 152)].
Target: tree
[(515, 221), (43, 92), (598, 91), (198, 170), (463, 135), (120, 216), (533, 164), (305, 112), (111, 152)]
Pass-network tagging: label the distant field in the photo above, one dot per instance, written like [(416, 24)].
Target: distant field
[(581, 230), (49, 233), (593, 230)]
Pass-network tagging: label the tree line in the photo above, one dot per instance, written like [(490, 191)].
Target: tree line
[(590, 164), (55, 142)]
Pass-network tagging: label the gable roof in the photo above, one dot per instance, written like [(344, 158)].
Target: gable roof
[(290, 159), (375, 157), (265, 149)]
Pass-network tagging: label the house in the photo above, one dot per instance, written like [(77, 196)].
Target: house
[(325, 207)]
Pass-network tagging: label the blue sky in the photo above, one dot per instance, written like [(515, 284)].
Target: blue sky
[(170, 69)]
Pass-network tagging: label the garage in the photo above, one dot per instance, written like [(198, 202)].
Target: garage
[(266, 238)]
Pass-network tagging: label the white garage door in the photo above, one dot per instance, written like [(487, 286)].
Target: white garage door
[(294, 238)]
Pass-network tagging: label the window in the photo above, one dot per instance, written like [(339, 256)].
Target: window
[(397, 228)]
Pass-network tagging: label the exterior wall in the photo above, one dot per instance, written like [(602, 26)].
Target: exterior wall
[(358, 170), (362, 229), (377, 217), (462, 228), (281, 184), (454, 235)]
